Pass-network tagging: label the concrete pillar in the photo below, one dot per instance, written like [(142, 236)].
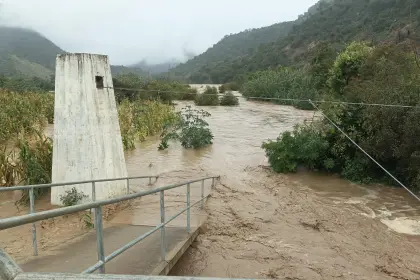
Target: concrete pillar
[(87, 138)]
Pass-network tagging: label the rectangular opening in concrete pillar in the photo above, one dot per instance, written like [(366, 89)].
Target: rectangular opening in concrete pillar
[(99, 80), (87, 138)]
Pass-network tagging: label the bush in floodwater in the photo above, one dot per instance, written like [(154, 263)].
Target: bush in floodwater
[(190, 129), (140, 119), (229, 86), (229, 99), (72, 197), (302, 146), (208, 98)]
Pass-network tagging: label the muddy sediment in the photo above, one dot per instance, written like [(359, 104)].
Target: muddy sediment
[(259, 224), (270, 226)]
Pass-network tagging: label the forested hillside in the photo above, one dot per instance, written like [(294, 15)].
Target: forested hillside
[(25, 54), (231, 48), (336, 22)]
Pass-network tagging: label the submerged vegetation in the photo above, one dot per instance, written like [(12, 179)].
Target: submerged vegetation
[(189, 128), (387, 74), (229, 99), (140, 119), (208, 98)]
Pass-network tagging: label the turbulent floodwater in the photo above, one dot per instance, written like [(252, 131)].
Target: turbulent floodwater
[(261, 224)]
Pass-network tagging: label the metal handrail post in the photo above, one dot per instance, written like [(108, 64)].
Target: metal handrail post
[(162, 229), (93, 191), (188, 209), (93, 211), (128, 186), (202, 194), (31, 211), (100, 238), (150, 181), (212, 182)]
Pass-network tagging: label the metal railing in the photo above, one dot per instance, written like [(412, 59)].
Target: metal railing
[(33, 217), (93, 182)]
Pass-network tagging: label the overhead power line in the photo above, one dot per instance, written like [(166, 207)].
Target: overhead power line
[(361, 149), (282, 99)]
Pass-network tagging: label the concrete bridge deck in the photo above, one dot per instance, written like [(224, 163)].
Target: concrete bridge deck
[(142, 259), (141, 216)]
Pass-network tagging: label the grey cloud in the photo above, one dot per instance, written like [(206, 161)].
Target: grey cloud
[(132, 30)]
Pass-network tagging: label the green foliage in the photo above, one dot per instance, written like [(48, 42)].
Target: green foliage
[(284, 83), (190, 129), (388, 75), (88, 220), (229, 99), (22, 114), (200, 68), (304, 146), (335, 22), (208, 98), (347, 65), (72, 197), (140, 88), (35, 159), (140, 119)]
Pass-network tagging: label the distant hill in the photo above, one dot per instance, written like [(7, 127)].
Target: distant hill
[(26, 53), (155, 68), (230, 48), (336, 22)]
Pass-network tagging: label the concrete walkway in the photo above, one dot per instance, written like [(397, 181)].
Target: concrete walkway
[(145, 257)]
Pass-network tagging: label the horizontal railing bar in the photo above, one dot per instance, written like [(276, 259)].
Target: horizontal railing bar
[(5, 189), (70, 276), (93, 268), (31, 218), (138, 239)]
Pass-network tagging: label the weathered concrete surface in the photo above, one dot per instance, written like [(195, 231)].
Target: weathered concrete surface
[(87, 138), (68, 276), (8, 268), (142, 259)]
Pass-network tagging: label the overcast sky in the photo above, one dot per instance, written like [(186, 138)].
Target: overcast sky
[(157, 30)]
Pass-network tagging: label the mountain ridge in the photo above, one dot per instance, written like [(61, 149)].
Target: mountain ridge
[(335, 22)]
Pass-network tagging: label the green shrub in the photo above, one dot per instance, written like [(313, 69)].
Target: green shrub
[(305, 146), (222, 88), (208, 98), (229, 99), (282, 83), (388, 75), (190, 129), (137, 87), (72, 197)]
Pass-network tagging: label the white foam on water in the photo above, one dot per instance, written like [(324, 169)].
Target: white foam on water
[(403, 225)]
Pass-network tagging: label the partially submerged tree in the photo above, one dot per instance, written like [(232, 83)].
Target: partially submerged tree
[(189, 128)]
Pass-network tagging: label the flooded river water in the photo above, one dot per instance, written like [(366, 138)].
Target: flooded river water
[(300, 226)]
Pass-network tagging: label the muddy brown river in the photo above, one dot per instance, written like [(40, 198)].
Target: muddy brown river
[(295, 226)]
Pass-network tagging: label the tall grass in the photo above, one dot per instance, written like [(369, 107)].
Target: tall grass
[(140, 119), (23, 114), (283, 83)]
